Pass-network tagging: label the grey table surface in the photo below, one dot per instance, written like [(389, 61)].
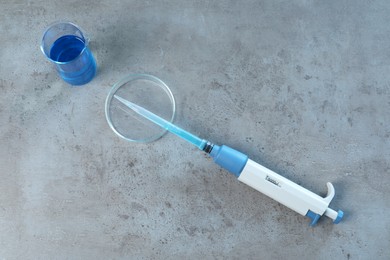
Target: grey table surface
[(302, 87)]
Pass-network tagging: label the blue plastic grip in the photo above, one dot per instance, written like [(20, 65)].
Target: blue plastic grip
[(229, 159)]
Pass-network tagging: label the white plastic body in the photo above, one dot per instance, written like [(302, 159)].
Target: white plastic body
[(285, 191)]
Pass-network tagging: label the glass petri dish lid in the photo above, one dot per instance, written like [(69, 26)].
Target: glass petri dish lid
[(146, 91)]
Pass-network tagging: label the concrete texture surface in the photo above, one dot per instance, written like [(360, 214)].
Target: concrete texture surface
[(302, 87)]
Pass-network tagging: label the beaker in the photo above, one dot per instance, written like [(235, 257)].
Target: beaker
[(66, 46)]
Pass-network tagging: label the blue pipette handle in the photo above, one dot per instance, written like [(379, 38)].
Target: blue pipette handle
[(229, 159)]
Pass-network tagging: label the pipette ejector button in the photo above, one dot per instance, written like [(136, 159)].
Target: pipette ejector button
[(340, 215)]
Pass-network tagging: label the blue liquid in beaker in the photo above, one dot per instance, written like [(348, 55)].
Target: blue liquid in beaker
[(66, 48), (74, 60)]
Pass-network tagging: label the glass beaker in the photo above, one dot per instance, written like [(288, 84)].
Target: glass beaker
[(66, 46)]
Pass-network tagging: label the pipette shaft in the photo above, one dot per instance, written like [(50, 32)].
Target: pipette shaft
[(193, 139)]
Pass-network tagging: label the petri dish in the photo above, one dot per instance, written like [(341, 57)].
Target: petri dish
[(144, 90)]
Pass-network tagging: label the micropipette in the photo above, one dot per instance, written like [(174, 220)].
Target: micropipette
[(253, 174)]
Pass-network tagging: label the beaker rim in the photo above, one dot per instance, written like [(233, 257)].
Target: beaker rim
[(84, 38)]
